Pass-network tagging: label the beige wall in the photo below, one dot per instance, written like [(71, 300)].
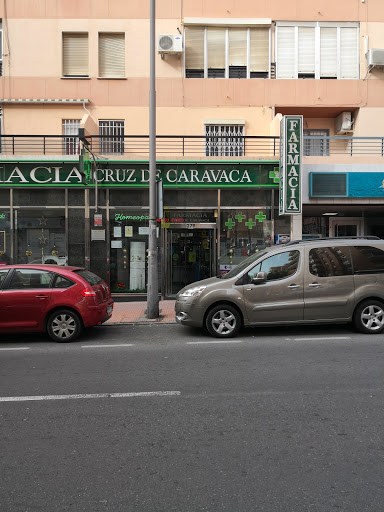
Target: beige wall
[(325, 10), (33, 67)]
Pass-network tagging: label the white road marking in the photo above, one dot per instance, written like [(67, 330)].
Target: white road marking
[(96, 395), (327, 338), (212, 342), (15, 348), (108, 346)]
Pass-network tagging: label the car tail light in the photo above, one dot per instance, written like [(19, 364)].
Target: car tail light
[(88, 293)]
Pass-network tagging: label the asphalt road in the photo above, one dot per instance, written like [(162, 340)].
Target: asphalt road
[(163, 418)]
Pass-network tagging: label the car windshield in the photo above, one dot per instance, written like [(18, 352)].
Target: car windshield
[(244, 264)]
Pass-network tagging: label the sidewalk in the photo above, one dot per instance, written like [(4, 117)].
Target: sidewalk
[(134, 312)]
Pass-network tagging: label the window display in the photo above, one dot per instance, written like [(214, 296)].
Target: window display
[(40, 236)]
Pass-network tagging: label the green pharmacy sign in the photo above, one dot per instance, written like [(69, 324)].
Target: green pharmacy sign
[(291, 156), (136, 174)]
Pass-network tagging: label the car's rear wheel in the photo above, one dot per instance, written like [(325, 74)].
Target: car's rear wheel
[(223, 321), (369, 317), (64, 325)]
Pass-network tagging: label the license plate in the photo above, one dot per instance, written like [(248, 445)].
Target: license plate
[(109, 310)]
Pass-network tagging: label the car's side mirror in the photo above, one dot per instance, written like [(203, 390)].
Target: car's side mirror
[(259, 278)]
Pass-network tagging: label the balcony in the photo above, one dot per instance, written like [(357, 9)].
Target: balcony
[(185, 147)]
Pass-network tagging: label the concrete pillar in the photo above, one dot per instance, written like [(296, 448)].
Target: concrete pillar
[(296, 227)]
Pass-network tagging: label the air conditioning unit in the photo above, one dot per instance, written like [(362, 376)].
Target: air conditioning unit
[(344, 123), (170, 43), (375, 57)]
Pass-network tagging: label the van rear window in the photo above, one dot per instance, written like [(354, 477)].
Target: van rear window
[(367, 260)]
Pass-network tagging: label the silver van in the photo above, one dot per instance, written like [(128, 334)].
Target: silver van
[(330, 280)]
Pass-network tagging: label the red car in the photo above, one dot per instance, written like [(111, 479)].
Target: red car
[(47, 298)]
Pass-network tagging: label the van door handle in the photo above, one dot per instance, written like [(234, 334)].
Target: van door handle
[(42, 296), (293, 286), (314, 285)]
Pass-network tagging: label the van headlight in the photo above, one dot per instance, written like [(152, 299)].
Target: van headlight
[(193, 292)]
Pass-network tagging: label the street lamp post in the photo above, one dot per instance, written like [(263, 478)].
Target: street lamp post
[(153, 286)]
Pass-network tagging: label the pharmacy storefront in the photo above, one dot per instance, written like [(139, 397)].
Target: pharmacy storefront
[(211, 216)]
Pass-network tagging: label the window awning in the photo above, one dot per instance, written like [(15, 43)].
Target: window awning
[(46, 100)]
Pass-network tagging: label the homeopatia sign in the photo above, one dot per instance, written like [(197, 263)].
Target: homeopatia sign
[(291, 156)]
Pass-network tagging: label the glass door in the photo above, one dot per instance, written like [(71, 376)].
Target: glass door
[(189, 257), (347, 226)]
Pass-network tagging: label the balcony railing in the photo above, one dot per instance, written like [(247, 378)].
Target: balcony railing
[(189, 146)]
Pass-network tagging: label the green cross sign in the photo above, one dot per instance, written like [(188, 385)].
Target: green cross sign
[(275, 175), (250, 223), (240, 217), (260, 217), (229, 223)]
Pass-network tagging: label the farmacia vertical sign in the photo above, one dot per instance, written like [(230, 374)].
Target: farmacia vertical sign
[(291, 155)]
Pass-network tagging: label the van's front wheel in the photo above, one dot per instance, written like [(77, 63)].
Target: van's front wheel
[(369, 317), (223, 321)]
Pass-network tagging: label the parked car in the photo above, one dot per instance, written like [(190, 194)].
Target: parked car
[(55, 299), (332, 280)]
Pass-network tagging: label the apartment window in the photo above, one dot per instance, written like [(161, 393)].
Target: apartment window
[(224, 140), (111, 136), (318, 146), (317, 50), (75, 54), (71, 132), (111, 55), (1, 47), (226, 52)]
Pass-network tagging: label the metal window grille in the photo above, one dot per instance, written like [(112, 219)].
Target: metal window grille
[(111, 137), (71, 132), (316, 146), (224, 140)]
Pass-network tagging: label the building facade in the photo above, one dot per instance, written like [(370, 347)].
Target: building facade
[(227, 73)]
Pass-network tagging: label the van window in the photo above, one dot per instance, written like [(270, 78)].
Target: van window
[(367, 260), (330, 261), (278, 266)]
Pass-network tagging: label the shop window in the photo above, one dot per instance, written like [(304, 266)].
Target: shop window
[(243, 232), (111, 133), (330, 261), (317, 50), (318, 146), (40, 236), (71, 132), (128, 256), (226, 52), (111, 55), (75, 55), (5, 238), (224, 140)]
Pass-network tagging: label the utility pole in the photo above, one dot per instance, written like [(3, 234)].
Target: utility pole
[(153, 279)]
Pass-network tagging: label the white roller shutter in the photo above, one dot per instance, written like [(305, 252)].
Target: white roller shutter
[(286, 52), (194, 47), (216, 47), (112, 55), (328, 52), (75, 54), (306, 50), (349, 53), (259, 51), (237, 46)]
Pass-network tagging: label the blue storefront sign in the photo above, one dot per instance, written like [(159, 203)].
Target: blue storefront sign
[(346, 184)]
